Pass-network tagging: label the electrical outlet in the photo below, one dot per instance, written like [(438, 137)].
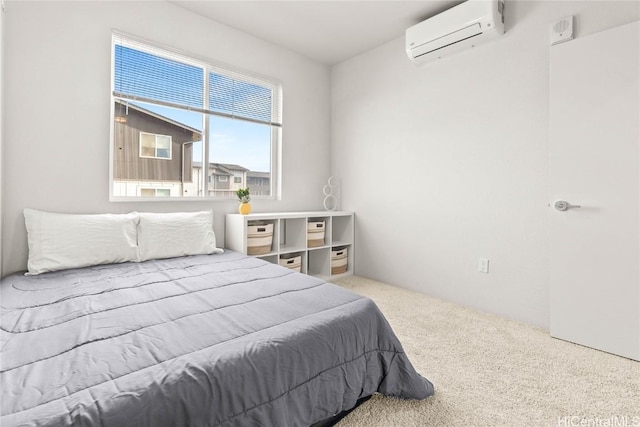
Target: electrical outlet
[(483, 265)]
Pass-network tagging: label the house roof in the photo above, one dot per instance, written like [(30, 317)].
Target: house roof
[(231, 166), (223, 168), (159, 116), (252, 174)]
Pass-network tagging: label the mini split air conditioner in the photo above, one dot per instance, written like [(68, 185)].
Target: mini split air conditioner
[(455, 29)]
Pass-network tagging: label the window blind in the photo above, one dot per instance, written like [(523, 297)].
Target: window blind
[(239, 99), (142, 75), (167, 78)]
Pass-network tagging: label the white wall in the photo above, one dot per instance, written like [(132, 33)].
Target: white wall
[(1, 116), (56, 144), (468, 136)]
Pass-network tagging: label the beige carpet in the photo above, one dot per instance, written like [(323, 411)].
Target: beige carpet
[(489, 371)]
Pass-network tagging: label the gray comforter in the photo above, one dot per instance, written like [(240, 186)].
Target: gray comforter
[(194, 341)]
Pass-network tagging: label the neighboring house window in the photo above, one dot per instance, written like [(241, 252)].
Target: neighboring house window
[(155, 146), (155, 192), (237, 180), (194, 116)]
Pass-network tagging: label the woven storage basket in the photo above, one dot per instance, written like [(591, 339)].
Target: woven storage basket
[(291, 261), (339, 260), (259, 238), (315, 234)]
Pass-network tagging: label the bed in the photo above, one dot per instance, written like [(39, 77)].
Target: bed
[(217, 339)]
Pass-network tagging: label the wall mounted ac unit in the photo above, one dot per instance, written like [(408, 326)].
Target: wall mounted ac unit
[(455, 29)]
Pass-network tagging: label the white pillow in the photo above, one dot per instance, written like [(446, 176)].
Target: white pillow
[(61, 241), (169, 235)]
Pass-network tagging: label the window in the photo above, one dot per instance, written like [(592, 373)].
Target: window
[(156, 146), (178, 120)]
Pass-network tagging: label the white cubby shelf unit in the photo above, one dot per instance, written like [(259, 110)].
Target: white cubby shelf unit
[(290, 237)]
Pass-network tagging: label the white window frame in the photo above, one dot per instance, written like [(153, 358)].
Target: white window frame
[(155, 135), (208, 66)]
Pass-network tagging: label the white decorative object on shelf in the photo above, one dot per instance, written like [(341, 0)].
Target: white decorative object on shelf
[(330, 199)]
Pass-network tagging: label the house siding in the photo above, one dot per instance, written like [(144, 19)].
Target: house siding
[(128, 165)]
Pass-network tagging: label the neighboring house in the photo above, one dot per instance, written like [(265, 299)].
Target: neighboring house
[(259, 183), (223, 179), (153, 157), (152, 153), (219, 179)]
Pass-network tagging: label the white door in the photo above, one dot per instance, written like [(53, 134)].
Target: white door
[(595, 163)]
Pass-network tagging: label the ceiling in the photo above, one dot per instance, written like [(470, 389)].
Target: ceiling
[(326, 31)]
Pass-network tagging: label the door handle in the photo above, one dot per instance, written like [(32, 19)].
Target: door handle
[(562, 205)]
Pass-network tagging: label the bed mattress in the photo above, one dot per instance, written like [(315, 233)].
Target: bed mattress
[(210, 340)]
